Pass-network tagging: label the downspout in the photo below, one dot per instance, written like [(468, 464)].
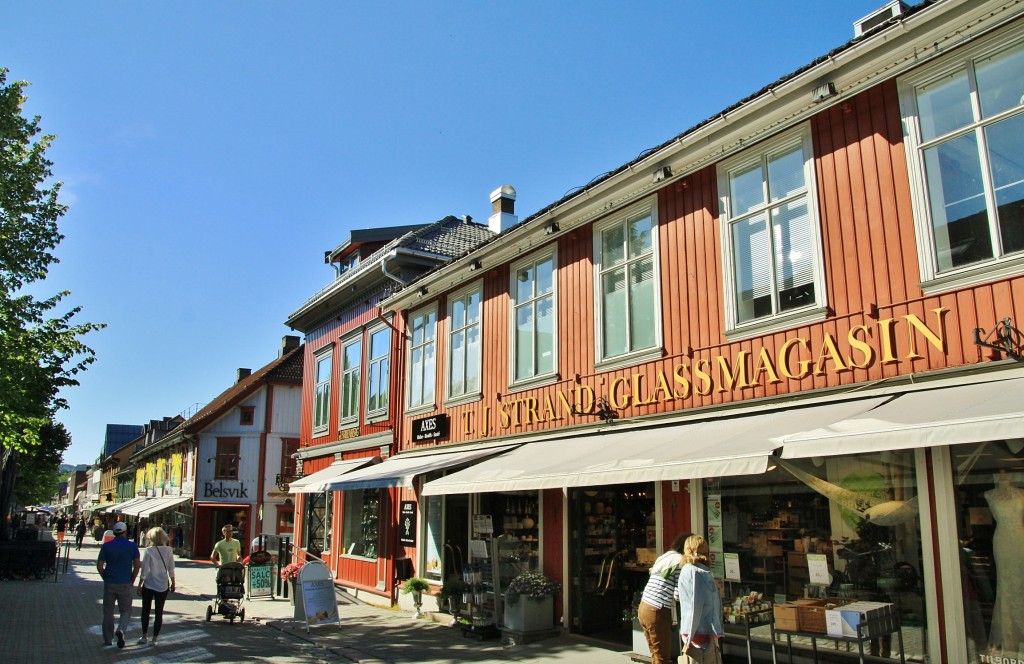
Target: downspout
[(268, 405)]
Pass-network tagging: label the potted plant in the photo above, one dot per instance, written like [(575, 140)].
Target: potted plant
[(529, 602), (417, 587)]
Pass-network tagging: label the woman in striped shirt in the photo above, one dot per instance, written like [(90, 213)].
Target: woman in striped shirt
[(659, 599)]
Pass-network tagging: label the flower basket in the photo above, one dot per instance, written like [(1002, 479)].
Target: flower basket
[(290, 572), (532, 586)]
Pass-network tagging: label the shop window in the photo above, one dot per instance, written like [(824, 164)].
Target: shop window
[(964, 122), (628, 310), (361, 523), (989, 487), (285, 520), (533, 316), (422, 359), (351, 377), (844, 526), (318, 523), (771, 234), (226, 459)]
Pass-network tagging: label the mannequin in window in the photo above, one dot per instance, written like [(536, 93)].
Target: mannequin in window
[(1007, 504)]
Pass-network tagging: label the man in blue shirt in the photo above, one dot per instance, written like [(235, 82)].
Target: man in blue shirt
[(118, 565)]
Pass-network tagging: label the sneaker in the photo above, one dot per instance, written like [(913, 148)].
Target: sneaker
[(141, 641), (120, 638)]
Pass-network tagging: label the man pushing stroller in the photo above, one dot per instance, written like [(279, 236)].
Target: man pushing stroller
[(227, 550)]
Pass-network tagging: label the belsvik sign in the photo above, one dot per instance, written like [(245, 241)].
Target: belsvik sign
[(224, 491)]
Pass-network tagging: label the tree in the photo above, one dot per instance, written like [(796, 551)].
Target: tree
[(41, 350)]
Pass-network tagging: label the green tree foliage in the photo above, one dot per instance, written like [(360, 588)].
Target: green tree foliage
[(41, 350), (39, 468)]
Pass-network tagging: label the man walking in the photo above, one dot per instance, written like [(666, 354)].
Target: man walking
[(228, 550), (118, 565)]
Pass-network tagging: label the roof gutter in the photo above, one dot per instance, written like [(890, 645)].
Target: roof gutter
[(424, 256)]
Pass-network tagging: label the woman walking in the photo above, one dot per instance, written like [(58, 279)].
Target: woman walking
[(156, 580), (79, 534), (700, 606), (655, 612)]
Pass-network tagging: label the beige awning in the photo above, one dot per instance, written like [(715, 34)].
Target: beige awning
[(949, 415), (160, 504), (400, 471), (741, 444), (119, 507), (318, 481)]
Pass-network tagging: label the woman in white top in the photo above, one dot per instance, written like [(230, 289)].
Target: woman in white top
[(156, 580)]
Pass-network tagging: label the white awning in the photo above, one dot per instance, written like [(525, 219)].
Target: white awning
[(160, 504), (741, 444), (118, 507), (136, 507), (318, 481), (975, 412), (400, 471)]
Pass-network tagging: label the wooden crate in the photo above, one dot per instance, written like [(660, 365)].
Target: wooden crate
[(787, 617), (811, 612)]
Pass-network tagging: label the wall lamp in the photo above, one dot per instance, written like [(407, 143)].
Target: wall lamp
[(824, 91), (551, 228), (474, 266), (663, 173), (423, 290)]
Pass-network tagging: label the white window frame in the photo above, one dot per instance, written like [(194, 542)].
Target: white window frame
[(780, 320), (369, 362), (648, 206), (1001, 265), (536, 378), (469, 395), (347, 342), (425, 373), (325, 353)]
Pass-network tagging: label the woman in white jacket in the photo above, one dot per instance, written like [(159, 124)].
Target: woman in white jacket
[(700, 606), (156, 580)]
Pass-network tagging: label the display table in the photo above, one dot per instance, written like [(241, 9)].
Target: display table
[(876, 629), (754, 618)]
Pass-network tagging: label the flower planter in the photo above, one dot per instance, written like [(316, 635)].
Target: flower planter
[(530, 615), (296, 597)]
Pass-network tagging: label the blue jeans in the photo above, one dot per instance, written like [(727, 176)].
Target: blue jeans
[(122, 594)]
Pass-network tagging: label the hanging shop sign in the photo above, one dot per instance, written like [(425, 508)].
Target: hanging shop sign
[(434, 427), (407, 523)]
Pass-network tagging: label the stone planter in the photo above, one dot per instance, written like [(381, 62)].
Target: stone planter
[(295, 594), (530, 615)]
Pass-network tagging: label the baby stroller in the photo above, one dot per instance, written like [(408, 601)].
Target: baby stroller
[(230, 593)]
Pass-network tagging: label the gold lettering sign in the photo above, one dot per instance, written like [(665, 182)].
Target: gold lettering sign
[(861, 347)]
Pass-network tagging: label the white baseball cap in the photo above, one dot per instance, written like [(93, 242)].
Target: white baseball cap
[(120, 527)]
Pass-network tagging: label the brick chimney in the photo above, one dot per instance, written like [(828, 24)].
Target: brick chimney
[(503, 207), (243, 374), (289, 342)]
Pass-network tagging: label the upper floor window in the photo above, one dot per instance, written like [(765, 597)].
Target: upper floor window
[(422, 358), (464, 320), (378, 372), (533, 318), (322, 392), (351, 377), (246, 415), (628, 310), (227, 459), (289, 446), (772, 265), (964, 123)]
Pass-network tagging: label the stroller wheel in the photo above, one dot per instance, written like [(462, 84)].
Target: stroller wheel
[(241, 615), (209, 613), (231, 619)]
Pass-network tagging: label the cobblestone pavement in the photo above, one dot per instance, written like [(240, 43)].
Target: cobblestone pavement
[(59, 620)]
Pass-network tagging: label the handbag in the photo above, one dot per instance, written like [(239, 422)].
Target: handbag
[(160, 553)]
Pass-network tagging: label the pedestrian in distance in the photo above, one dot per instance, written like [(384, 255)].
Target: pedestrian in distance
[(62, 527), (658, 605), (80, 534), (118, 564), (156, 580), (700, 606), (227, 550)]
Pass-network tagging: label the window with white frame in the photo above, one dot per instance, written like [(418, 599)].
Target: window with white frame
[(351, 375), (964, 123), (322, 392), (422, 358), (378, 372), (772, 258), (464, 322), (628, 310), (533, 318)]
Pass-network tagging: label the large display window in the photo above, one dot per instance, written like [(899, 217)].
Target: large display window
[(989, 482), (844, 526)]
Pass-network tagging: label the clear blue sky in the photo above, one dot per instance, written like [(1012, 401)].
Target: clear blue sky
[(212, 151)]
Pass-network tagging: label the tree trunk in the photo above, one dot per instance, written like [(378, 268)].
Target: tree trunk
[(8, 473)]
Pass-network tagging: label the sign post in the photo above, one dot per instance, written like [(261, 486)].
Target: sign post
[(319, 602)]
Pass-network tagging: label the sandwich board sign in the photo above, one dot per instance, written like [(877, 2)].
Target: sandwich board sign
[(261, 582), (319, 602)]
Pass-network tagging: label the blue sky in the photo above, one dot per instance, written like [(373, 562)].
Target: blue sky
[(211, 152)]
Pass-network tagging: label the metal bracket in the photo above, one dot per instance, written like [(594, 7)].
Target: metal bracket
[(1004, 338), (601, 409)]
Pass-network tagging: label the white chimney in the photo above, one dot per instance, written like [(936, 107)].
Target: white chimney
[(503, 207)]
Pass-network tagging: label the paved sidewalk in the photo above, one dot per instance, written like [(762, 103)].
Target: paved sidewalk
[(48, 621)]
